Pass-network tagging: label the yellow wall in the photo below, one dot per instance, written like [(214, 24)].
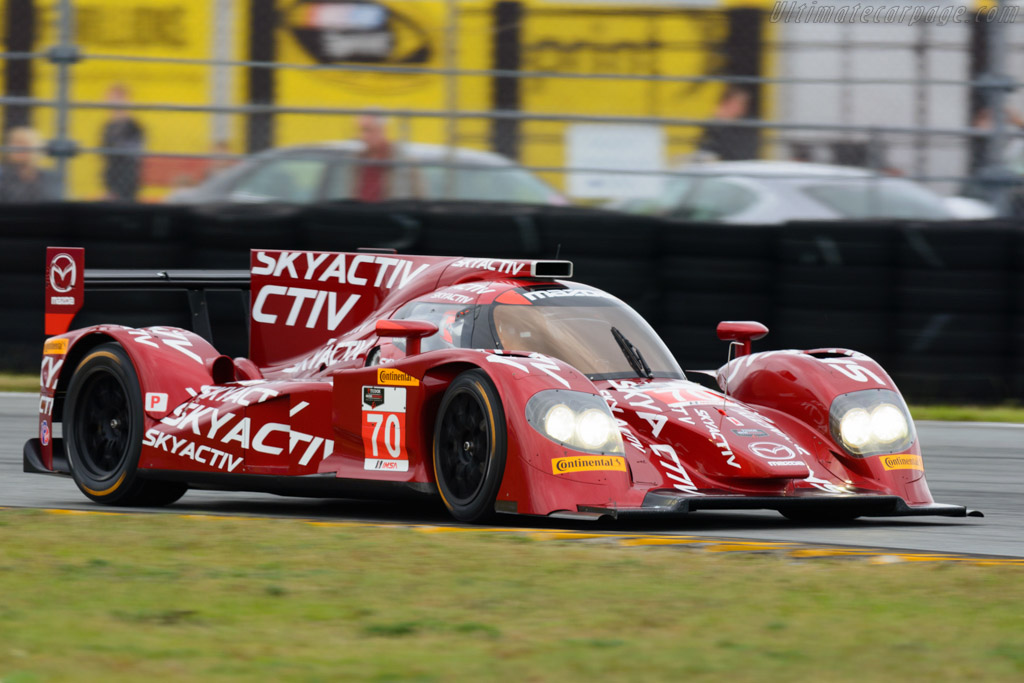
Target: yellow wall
[(629, 38), (148, 28)]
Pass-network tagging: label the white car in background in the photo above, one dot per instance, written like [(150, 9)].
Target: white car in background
[(305, 174), (771, 192)]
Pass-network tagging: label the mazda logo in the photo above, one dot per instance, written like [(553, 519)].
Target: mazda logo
[(772, 451), (63, 273)]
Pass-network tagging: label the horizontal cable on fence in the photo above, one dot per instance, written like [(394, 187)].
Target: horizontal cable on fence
[(555, 75), (503, 114), (856, 45), (15, 56)]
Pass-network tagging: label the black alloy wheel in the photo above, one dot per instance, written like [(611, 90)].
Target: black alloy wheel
[(103, 420), (470, 438)]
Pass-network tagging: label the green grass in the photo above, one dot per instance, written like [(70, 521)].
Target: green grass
[(10, 381), (998, 413), (135, 597)]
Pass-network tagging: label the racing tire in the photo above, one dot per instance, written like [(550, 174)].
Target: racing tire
[(103, 426), (470, 442)]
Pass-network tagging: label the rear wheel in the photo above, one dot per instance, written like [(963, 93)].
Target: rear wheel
[(470, 439), (103, 425)]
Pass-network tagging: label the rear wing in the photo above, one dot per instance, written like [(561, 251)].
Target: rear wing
[(67, 279)]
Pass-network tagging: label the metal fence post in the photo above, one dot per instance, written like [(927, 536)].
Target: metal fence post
[(998, 84), (63, 55), (451, 36)]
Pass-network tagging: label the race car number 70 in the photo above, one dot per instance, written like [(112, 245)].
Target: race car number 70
[(383, 429), (392, 433)]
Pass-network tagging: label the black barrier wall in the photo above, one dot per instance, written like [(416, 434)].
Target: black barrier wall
[(940, 306)]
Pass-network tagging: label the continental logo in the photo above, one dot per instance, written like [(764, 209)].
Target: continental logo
[(55, 347), (904, 461), (396, 378), (594, 463)]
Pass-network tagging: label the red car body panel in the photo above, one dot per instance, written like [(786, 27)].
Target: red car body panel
[(304, 413)]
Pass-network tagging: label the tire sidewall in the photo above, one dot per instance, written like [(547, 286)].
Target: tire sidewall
[(110, 359), (481, 506)]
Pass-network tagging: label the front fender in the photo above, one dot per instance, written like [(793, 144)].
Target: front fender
[(802, 385)]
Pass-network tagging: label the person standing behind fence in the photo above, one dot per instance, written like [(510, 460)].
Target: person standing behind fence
[(21, 178), (378, 174), (731, 143), (126, 137)]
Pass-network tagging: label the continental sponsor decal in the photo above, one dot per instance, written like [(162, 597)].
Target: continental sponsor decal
[(55, 347), (588, 463), (396, 378), (903, 461)]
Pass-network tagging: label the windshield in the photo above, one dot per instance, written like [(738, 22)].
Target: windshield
[(577, 329), (879, 198)]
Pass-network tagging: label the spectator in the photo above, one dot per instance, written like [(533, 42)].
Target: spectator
[(373, 179), (731, 143), (121, 133), (1011, 152), (801, 151), (21, 178), (222, 164), (378, 177)]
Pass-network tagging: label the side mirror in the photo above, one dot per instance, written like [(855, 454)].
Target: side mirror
[(742, 331), (412, 330)]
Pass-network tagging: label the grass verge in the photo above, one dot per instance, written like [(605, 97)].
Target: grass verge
[(1000, 413), (10, 381), (135, 597)]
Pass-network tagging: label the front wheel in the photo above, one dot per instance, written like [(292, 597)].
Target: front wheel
[(470, 440), (103, 422)]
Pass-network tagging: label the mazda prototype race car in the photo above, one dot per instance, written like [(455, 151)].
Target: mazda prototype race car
[(498, 385)]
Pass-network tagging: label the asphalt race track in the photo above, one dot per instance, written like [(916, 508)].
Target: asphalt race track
[(980, 466)]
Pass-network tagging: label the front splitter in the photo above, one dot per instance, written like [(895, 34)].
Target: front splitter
[(659, 504)]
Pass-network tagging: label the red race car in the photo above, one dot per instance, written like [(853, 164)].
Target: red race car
[(496, 384)]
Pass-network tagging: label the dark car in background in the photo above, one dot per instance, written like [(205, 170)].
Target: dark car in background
[(770, 192), (327, 172)]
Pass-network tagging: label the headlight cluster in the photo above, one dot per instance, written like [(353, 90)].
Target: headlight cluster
[(871, 422), (575, 420)]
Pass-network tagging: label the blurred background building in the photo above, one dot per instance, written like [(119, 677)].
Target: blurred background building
[(602, 100)]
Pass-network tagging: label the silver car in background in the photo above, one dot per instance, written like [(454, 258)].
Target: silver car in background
[(306, 174), (768, 192)]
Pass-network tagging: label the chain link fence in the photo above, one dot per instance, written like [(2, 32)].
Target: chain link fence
[(524, 100)]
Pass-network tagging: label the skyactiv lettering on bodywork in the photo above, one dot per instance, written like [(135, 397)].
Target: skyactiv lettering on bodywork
[(301, 300), (213, 431)]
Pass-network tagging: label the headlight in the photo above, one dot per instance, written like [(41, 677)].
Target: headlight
[(888, 424), (871, 422), (560, 422), (855, 428), (575, 420)]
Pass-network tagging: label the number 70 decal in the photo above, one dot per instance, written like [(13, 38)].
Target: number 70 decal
[(383, 429)]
